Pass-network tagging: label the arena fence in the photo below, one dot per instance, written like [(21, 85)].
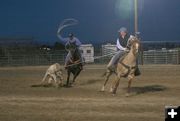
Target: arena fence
[(22, 60), (50, 57), (161, 57)]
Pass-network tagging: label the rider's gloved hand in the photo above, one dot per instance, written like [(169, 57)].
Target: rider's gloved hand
[(126, 50)]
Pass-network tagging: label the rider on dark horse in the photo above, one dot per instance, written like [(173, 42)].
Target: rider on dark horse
[(71, 40)]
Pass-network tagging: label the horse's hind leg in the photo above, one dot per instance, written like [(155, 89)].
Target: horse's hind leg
[(108, 74)]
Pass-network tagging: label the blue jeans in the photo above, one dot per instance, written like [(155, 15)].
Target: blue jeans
[(114, 60)]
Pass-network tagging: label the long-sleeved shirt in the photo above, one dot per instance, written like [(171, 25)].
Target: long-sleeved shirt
[(68, 40)]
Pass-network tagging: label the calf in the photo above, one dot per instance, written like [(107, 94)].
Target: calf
[(54, 73)]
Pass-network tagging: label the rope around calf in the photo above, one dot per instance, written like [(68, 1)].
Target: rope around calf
[(98, 57)]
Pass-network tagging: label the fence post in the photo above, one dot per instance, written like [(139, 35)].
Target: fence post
[(142, 57), (23, 60), (178, 56), (8, 59), (166, 57)]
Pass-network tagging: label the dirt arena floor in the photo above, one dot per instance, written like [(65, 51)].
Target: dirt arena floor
[(158, 86)]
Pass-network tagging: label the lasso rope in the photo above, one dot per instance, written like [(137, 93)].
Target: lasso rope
[(65, 23), (98, 57), (71, 22)]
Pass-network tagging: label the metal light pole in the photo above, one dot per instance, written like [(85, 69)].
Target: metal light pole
[(136, 17), (136, 32)]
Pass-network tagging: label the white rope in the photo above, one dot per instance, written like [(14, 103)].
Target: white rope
[(65, 23), (98, 57)]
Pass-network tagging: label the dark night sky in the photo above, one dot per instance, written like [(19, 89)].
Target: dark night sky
[(99, 20)]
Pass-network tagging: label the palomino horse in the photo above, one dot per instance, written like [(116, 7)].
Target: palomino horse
[(126, 66), (74, 64)]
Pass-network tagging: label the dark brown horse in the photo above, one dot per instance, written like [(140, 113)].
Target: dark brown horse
[(125, 67), (74, 65)]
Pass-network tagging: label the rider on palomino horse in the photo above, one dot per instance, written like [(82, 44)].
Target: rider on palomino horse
[(71, 39), (122, 47)]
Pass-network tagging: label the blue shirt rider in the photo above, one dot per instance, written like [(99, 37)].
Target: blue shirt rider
[(70, 39)]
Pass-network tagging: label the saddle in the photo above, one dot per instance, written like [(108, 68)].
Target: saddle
[(137, 71), (113, 68)]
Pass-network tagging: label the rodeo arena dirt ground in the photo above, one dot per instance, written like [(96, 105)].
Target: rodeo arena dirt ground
[(158, 86)]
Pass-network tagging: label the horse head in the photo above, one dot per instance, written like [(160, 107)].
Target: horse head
[(134, 44), (72, 48)]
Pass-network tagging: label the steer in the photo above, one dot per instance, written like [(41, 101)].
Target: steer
[(54, 73)]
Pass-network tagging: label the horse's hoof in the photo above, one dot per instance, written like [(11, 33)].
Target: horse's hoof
[(127, 95), (113, 94), (61, 85), (72, 84), (111, 90), (101, 90), (57, 86), (66, 86)]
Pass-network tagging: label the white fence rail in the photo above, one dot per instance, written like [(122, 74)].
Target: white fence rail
[(147, 57), (161, 57)]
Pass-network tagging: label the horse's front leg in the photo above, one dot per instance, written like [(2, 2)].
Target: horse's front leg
[(74, 78), (115, 84), (107, 75), (76, 74), (68, 77), (130, 77)]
